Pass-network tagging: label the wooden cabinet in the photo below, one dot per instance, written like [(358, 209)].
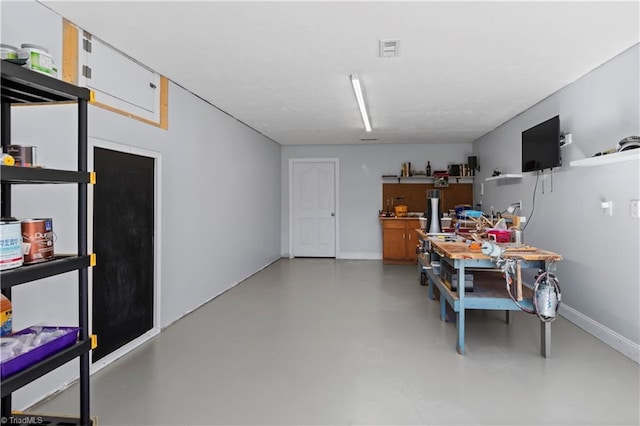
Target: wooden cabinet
[(399, 240), (414, 195)]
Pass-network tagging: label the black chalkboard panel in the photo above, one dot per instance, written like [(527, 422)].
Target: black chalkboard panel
[(123, 218)]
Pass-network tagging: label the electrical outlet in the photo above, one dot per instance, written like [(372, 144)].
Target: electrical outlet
[(565, 140), (635, 208), (521, 206), (523, 219)]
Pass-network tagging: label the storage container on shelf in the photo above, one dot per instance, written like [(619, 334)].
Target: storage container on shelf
[(38, 58), (401, 210), (6, 313), (11, 255), (8, 52)]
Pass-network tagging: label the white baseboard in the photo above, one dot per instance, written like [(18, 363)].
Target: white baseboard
[(359, 256), (347, 256), (599, 331)]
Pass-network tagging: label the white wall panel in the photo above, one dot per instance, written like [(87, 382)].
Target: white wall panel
[(220, 195), (360, 191), (600, 273)]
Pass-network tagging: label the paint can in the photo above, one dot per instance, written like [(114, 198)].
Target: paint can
[(24, 156), (38, 58), (10, 244), (37, 240), (8, 52)]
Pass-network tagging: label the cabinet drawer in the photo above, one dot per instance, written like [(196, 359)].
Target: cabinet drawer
[(413, 224), (394, 223)]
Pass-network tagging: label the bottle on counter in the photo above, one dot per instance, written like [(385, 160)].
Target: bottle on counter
[(428, 168)]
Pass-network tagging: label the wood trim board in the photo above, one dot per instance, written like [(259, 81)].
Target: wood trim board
[(69, 52)]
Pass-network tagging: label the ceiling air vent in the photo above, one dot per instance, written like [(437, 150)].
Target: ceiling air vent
[(368, 139), (389, 48)]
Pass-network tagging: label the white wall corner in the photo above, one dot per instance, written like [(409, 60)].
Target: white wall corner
[(616, 341)]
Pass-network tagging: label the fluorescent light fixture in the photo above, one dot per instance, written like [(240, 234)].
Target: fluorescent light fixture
[(355, 81)]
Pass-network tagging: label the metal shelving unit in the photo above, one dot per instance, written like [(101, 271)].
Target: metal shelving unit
[(19, 86), (31, 175), (56, 266)]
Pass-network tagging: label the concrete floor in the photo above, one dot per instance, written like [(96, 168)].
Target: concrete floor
[(339, 342)]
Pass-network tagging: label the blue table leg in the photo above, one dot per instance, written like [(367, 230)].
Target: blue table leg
[(443, 308), (460, 316), (430, 287)]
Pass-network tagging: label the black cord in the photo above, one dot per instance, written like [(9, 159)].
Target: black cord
[(533, 203)]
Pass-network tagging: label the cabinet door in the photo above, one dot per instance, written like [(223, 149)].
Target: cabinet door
[(394, 245), (119, 81), (412, 239)]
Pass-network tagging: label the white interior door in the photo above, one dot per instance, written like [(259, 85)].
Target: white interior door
[(313, 208)]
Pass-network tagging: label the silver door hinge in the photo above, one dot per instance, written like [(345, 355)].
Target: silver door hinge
[(86, 71), (86, 45)]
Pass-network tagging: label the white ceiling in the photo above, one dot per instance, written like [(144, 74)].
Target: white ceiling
[(283, 67)]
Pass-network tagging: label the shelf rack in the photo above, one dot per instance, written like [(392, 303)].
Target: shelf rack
[(601, 160), (22, 86), (425, 178), (505, 177), (30, 175)]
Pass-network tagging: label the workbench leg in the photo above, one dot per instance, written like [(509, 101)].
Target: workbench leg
[(443, 308), (423, 278), (460, 317), (430, 288), (545, 339), (507, 317)]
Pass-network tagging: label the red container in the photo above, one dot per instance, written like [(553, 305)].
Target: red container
[(501, 235)]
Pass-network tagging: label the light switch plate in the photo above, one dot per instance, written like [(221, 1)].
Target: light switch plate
[(634, 208)]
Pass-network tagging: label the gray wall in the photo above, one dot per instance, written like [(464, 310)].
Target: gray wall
[(220, 184), (599, 274), (360, 186), (221, 175)]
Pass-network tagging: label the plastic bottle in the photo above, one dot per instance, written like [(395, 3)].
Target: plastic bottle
[(6, 312)]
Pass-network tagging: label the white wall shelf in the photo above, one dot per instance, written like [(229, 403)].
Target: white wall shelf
[(505, 176), (421, 178), (601, 160)]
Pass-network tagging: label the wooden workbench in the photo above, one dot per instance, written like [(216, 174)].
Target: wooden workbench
[(460, 250), (489, 287)]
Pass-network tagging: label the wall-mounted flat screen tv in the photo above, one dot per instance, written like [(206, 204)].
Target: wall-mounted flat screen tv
[(541, 146)]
